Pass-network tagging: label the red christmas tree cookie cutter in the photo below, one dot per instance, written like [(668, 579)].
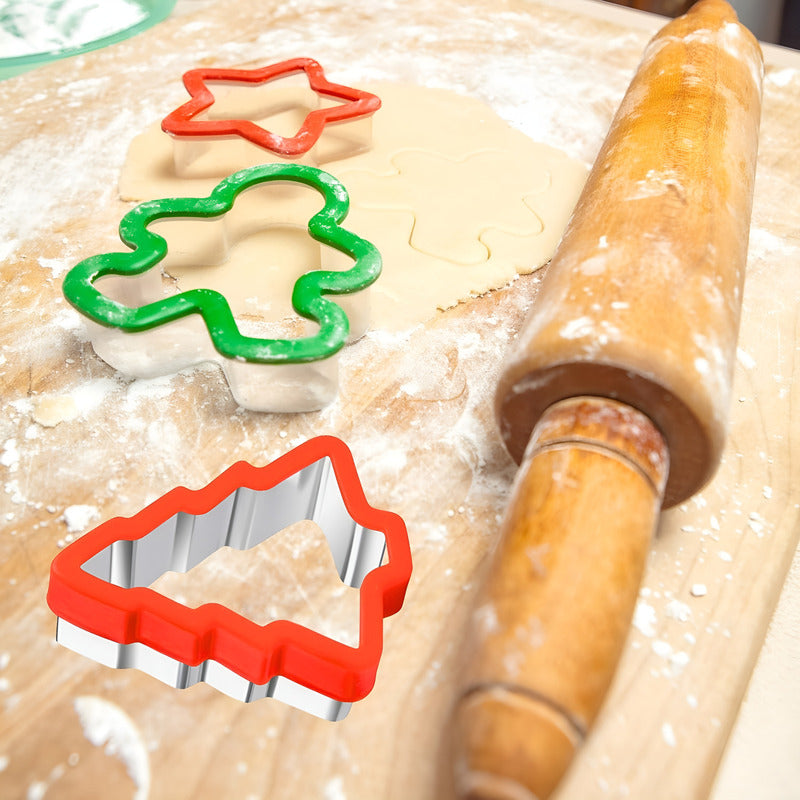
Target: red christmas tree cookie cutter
[(183, 123), (99, 583)]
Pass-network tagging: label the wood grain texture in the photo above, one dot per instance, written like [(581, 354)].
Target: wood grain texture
[(554, 612), (640, 303), (642, 300), (416, 411)]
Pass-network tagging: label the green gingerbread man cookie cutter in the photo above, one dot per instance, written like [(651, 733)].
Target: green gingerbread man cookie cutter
[(148, 249)]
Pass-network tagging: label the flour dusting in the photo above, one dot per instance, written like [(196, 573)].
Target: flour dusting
[(782, 77), (334, 789), (10, 455), (644, 618), (79, 517), (56, 266), (105, 723), (675, 609), (668, 735), (36, 791), (435, 457)]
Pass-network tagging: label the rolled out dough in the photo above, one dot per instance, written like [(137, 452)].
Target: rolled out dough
[(456, 200)]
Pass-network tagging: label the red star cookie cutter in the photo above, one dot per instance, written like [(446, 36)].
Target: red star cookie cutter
[(182, 121), (99, 583)]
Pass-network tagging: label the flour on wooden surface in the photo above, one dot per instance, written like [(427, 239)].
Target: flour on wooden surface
[(10, 456), (644, 618), (36, 791), (57, 266), (105, 723), (334, 789), (557, 94), (675, 609), (79, 517), (668, 735), (781, 77)]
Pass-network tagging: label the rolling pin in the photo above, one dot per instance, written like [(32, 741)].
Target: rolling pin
[(614, 400)]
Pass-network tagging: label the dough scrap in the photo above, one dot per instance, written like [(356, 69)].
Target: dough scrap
[(457, 201), (51, 410)]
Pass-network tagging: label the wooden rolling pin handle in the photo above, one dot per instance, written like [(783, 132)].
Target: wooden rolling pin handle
[(554, 613)]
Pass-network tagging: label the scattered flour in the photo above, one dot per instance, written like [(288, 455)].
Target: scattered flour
[(334, 789), (661, 648), (756, 523), (10, 455), (541, 117), (8, 248), (79, 517), (57, 266), (68, 319), (644, 618), (668, 734), (744, 358), (105, 723), (36, 791), (677, 661), (73, 170), (781, 77), (675, 609), (91, 394)]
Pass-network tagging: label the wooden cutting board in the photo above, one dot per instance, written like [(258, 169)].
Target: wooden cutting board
[(416, 409)]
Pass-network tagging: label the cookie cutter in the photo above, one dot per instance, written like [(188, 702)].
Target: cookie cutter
[(99, 584), (210, 140), (141, 332)]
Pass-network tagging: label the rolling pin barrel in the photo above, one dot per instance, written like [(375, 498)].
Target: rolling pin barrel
[(641, 302), (614, 400)]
